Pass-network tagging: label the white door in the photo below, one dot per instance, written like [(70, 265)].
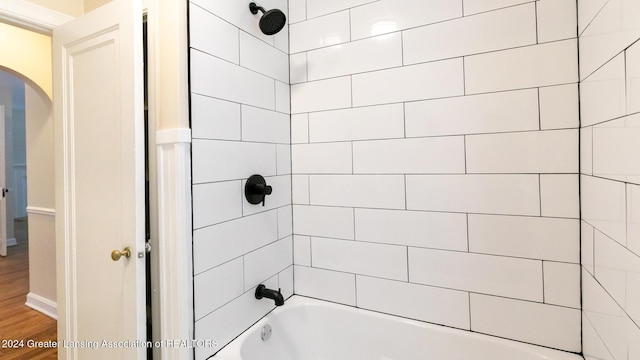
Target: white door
[(3, 185), (99, 137)]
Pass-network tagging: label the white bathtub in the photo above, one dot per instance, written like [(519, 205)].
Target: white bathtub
[(309, 329)]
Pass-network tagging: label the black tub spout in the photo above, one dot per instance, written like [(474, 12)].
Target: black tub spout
[(263, 292)]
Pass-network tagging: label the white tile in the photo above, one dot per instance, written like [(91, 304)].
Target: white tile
[(587, 246), (281, 39), (392, 15), (586, 150), (633, 218), (202, 24), (593, 347), (224, 80), (315, 282), (230, 160), (364, 123), (380, 52), (238, 15), (486, 113), (302, 250), (262, 125), (479, 6), (323, 221), (299, 128), (587, 10), (446, 307), (285, 221), (216, 287), (412, 228), (298, 68), (321, 95), (527, 237), (410, 156), (493, 194), (214, 119), (560, 195), (559, 107), (416, 82), (553, 151), (379, 260), (232, 319), (283, 154), (634, 340), (280, 196), (548, 325), (606, 316), (496, 275), (300, 186), (267, 261), (320, 32), (603, 206), (216, 202), (261, 57), (317, 8), (602, 95), (531, 66), (562, 284), (285, 282), (218, 244), (633, 78), (616, 145), (496, 30), (556, 20), (611, 31), (297, 11), (326, 158), (618, 270), (373, 191), (283, 97)]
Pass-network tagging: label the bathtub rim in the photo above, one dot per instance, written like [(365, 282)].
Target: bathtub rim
[(233, 349)]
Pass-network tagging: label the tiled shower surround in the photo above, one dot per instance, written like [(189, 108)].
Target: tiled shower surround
[(428, 154), (240, 124), (435, 162), (610, 180)]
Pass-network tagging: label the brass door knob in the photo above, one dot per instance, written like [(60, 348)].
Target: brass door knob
[(117, 254)]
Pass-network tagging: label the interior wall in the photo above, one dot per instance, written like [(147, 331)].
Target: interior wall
[(69, 7), (41, 190), (93, 4), (240, 126), (610, 180), (435, 162), (26, 46)]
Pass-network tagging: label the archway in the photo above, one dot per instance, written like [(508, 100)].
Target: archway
[(29, 59)]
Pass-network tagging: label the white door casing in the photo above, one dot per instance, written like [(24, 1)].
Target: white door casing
[(3, 184), (99, 136)]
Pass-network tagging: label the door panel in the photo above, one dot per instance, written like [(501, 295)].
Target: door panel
[(3, 184), (99, 133)]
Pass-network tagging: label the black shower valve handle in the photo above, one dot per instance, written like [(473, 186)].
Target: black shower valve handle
[(256, 189)]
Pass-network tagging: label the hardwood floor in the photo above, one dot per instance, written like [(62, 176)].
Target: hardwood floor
[(18, 321)]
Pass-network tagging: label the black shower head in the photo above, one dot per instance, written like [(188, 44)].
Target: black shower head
[(272, 21)]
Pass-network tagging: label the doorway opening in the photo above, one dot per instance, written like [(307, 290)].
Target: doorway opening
[(18, 319)]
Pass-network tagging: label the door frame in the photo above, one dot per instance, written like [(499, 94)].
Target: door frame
[(167, 20)]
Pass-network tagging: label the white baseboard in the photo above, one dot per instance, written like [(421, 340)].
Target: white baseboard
[(43, 305), (12, 242)]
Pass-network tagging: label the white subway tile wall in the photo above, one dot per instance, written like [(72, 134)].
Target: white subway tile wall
[(435, 156), (609, 137), (241, 126)]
